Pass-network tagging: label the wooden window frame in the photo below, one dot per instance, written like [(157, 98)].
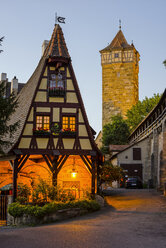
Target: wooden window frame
[(56, 91), (42, 115), (69, 116)]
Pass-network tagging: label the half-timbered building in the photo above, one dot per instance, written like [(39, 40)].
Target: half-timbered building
[(54, 140)]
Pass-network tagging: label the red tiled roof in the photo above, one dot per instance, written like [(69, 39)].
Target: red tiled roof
[(117, 148), (118, 42)]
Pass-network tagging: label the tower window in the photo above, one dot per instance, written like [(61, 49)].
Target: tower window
[(69, 122), (116, 55)]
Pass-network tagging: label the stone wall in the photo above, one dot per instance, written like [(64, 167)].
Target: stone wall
[(163, 157), (59, 215), (120, 89)]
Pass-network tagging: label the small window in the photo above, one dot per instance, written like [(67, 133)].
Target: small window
[(136, 153), (42, 122), (56, 84), (68, 123), (116, 55)]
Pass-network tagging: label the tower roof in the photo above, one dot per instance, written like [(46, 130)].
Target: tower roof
[(118, 42), (57, 45)]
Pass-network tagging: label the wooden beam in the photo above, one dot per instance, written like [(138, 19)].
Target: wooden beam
[(55, 173), (15, 174), (22, 162), (62, 163), (86, 163), (88, 160), (93, 175), (48, 163)]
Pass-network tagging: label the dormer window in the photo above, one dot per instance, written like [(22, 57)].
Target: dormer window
[(56, 85)]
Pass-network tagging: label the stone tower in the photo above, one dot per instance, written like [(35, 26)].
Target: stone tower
[(120, 67)]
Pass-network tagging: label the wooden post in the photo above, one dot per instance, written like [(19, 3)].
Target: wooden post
[(15, 173), (54, 172), (54, 178), (93, 175)]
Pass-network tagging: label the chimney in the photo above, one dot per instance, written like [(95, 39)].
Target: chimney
[(44, 46), (14, 85), (3, 76), (5, 80)]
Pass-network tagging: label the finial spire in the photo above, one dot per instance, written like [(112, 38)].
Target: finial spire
[(56, 18), (119, 24)]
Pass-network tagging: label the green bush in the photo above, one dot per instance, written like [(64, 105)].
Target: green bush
[(23, 193), (17, 210), (44, 192)]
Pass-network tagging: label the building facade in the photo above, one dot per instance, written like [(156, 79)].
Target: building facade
[(54, 140), (146, 155), (120, 68)]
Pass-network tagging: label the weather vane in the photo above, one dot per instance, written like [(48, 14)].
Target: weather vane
[(119, 24), (59, 19)]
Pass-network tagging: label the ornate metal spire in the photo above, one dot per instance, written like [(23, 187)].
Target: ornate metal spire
[(119, 24)]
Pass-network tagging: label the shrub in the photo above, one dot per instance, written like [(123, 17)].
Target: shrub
[(23, 193), (17, 210)]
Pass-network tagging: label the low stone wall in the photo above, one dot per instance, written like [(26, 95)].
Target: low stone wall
[(59, 215)]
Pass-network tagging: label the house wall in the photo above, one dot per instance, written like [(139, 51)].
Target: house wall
[(126, 157), (153, 156)]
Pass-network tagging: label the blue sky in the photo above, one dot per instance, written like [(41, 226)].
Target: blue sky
[(90, 26)]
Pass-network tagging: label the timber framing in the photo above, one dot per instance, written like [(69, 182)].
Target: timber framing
[(53, 147)]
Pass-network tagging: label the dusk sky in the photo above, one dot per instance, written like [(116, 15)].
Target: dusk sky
[(90, 26)]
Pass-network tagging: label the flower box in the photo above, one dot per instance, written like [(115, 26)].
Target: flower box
[(68, 133), (56, 92), (41, 133)]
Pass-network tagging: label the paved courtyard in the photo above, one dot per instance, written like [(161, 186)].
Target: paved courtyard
[(134, 218)]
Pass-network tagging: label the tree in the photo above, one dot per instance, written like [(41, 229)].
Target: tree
[(139, 111), (116, 132), (1, 39), (164, 62), (111, 173), (7, 108)]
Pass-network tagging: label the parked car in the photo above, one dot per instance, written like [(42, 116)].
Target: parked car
[(133, 182)]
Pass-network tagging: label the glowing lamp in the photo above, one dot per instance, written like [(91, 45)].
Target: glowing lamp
[(74, 173)]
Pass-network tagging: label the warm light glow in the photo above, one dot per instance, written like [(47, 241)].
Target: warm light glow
[(74, 174)]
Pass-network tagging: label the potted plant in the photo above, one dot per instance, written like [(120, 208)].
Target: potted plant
[(55, 129)]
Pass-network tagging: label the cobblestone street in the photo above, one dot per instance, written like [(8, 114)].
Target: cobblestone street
[(134, 218)]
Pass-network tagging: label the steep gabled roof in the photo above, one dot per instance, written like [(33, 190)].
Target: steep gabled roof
[(57, 45), (118, 42), (56, 48), (24, 99)]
